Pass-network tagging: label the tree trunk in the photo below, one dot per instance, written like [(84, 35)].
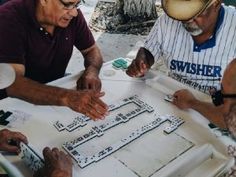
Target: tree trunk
[(144, 9), (125, 16)]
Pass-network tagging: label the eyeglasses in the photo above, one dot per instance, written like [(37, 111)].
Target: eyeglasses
[(70, 5), (218, 97)]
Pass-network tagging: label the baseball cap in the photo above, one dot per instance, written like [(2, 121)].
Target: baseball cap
[(184, 10), (7, 75)]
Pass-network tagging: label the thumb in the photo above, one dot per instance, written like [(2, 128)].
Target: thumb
[(99, 94), (10, 148)]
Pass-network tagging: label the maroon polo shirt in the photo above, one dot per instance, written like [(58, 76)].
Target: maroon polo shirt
[(24, 41)]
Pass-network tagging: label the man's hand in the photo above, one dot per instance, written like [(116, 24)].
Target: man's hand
[(183, 99), (57, 164), (138, 68), (89, 80), (10, 141), (141, 64), (87, 102)]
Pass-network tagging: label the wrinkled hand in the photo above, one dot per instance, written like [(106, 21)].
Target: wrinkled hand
[(138, 68), (88, 102), (183, 99), (10, 141), (89, 80), (57, 164)]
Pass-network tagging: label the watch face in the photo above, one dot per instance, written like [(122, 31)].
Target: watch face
[(7, 75), (182, 10)]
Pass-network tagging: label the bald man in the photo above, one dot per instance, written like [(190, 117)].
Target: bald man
[(224, 99)]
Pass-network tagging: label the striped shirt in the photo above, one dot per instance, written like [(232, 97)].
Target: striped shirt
[(199, 66)]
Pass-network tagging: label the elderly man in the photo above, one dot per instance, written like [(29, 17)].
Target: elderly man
[(37, 39), (196, 40)]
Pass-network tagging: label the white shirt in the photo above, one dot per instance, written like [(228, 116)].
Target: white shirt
[(199, 66)]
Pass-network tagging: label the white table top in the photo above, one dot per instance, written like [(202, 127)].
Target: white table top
[(192, 150)]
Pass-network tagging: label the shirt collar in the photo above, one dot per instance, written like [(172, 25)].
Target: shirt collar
[(211, 42)]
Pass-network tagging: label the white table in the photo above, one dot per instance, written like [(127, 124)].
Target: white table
[(192, 150)]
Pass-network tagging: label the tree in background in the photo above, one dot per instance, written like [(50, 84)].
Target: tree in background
[(125, 16), (138, 9)]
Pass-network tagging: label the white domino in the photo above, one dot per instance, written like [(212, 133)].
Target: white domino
[(169, 98), (30, 157)]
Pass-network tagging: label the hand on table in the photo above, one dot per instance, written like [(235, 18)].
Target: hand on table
[(10, 141), (87, 102), (138, 68), (183, 99), (57, 164), (89, 80)]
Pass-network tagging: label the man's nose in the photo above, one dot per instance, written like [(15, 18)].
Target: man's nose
[(73, 12)]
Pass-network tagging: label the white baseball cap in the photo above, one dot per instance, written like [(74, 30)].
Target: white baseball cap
[(7, 75), (184, 10)]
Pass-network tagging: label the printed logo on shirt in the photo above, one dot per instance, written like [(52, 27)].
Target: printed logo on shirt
[(193, 82), (197, 69)]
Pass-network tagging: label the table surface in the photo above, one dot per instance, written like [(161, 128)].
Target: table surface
[(191, 150)]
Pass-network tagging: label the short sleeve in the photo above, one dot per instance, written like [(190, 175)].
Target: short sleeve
[(12, 39), (83, 36)]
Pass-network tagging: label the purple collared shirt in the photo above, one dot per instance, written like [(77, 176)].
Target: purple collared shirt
[(24, 41)]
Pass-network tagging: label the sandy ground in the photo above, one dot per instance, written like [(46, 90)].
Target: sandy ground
[(112, 45)]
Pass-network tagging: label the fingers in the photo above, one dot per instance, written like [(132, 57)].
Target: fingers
[(57, 161), (93, 106), (55, 155), (99, 94), (11, 148), (90, 81), (90, 85), (47, 154), (96, 109), (10, 141), (19, 137), (138, 68)]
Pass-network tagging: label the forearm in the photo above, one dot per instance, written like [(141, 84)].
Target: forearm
[(37, 93), (93, 58), (212, 113)]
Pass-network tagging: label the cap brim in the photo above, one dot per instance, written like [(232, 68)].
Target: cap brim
[(183, 10), (7, 75)]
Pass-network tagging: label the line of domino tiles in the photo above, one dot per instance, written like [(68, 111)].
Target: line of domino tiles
[(84, 161), (82, 120)]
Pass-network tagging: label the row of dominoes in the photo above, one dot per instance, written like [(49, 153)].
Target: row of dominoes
[(120, 118), (175, 122), (81, 120), (84, 161)]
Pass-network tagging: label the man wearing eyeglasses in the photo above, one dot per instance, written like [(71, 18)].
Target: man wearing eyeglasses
[(37, 39), (194, 38)]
